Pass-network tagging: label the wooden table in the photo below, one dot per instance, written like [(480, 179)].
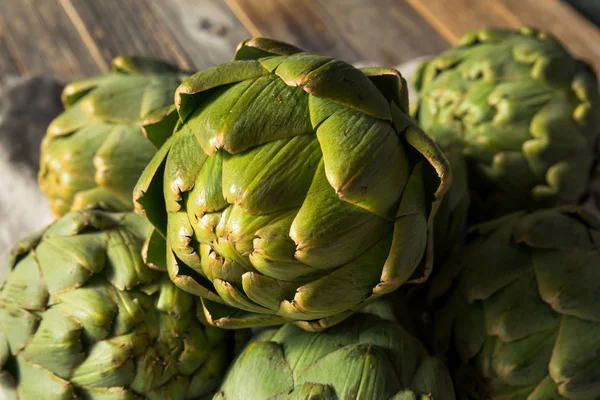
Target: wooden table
[(71, 39)]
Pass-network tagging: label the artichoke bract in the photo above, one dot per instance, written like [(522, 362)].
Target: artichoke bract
[(521, 305), (81, 316), (368, 356), (524, 112), (94, 152), (295, 187)]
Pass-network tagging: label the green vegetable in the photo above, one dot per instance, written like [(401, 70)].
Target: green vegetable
[(520, 303), (369, 356), (523, 111), (94, 152), (81, 316), (294, 188)]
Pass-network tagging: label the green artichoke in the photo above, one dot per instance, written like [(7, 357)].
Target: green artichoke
[(94, 152), (294, 188), (524, 305), (369, 356), (81, 316), (523, 111)]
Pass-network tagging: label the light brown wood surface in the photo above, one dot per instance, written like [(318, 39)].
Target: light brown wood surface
[(70, 39)]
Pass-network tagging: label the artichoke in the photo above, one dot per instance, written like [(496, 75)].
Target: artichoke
[(521, 305), (94, 152), (522, 110), (294, 188), (369, 356), (81, 316)]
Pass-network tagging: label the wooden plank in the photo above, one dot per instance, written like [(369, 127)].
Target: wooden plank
[(125, 27), (452, 18), (579, 35), (299, 22), (207, 30), (8, 67), (41, 39), (384, 32)]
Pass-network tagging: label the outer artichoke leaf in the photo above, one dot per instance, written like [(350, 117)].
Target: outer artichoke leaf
[(367, 373), (158, 93), (69, 121), (174, 302), (207, 194), (56, 344), (272, 177), (574, 365), (98, 197), (39, 383), (255, 48), (342, 289), (224, 316), (547, 389), (569, 282), (148, 198), (194, 90), (391, 84), (119, 160), (469, 329), (180, 236), (147, 375), (130, 314), (196, 351), (188, 279), (267, 292), (432, 379), (74, 222), (25, 287), (524, 362), (105, 366), (68, 262), (370, 169), (154, 252), (329, 232), (113, 393), (136, 65), (174, 389), (159, 125), (120, 101), (234, 297), (183, 163), (410, 253), (91, 307), (76, 90), (336, 81), (125, 268), (18, 326), (272, 374), (308, 391)]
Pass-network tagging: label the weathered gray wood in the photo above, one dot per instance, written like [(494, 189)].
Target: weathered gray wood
[(40, 37), (8, 68), (300, 22), (127, 27), (207, 30), (384, 32)]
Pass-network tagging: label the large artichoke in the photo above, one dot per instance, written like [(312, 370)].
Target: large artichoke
[(81, 316), (95, 151), (369, 356), (294, 188), (524, 307), (525, 113)]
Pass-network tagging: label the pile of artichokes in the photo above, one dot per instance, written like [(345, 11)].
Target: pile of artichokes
[(448, 250)]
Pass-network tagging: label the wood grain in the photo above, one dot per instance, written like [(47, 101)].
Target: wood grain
[(453, 18), (300, 22), (579, 35), (39, 38), (207, 30), (125, 27), (384, 32)]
